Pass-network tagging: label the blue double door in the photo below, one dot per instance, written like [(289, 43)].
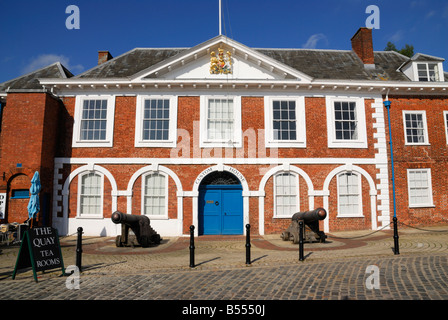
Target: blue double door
[(221, 209)]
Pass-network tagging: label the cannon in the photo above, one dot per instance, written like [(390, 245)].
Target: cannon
[(311, 225), (144, 235)]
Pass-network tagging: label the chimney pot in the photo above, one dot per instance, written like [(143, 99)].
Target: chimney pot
[(104, 56), (362, 45)]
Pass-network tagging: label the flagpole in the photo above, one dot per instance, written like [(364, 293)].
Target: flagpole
[(220, 16)]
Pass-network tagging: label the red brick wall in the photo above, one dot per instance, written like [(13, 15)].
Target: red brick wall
[(29, 135), (433, 156)]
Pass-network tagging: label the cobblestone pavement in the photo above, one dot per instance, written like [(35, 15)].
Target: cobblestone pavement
[(337, 270)]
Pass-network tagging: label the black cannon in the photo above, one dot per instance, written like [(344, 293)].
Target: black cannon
[(311, 222), (144, 234)]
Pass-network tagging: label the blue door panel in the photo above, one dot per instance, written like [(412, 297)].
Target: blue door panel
[(232, 201), (210, 212), (220, 210)]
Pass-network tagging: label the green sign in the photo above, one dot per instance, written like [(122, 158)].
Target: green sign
[(40, 249)]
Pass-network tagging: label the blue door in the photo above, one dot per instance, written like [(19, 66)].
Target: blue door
[(221, 209)]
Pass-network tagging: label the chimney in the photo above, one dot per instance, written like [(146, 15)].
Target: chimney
[(362, 45), (104, 56)]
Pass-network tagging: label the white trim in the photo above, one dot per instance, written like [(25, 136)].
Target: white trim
[(108, 142), (345, 215), (172, 136), (421, 205), (166, 190), (361, 142), (205, 142), (300, 141), (425, 128), (79, 214), (445, 121)]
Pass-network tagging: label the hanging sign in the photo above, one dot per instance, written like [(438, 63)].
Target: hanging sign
[(40, 249)]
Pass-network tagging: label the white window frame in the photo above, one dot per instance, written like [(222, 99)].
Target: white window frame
[(108, 142), (361, 142), (155, 217), (439, 71), (425, 128), (172, 134), (296, 179), (79, 214), (340, 214), (205, 142), (420, 205), (445, 121), (270, 141)]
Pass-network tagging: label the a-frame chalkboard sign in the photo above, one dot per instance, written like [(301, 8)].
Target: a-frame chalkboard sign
[(40, 249)]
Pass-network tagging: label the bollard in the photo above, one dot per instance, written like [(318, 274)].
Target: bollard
[(191, 246), (301, 240), (248, 244), (79, 249), (396, 245)]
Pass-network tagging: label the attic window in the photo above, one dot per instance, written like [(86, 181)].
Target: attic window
[(428, 72)]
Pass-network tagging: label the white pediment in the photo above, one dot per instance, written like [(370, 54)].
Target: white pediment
[(245, 64)]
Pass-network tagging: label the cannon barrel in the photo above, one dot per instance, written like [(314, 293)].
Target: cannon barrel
[(129, 219), (310, 216)]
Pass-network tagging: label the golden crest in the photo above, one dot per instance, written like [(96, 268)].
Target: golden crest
[(221, 64)]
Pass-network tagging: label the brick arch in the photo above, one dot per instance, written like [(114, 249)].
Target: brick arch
[(18, 207)]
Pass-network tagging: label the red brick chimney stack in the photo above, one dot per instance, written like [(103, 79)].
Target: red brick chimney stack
[(362, 45), (104, 56)]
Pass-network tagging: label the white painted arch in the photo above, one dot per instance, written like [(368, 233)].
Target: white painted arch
[(168, 227), (373, 191), (69, 226), (206, 172), (267, 176)]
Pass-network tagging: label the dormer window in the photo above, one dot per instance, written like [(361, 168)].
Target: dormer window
[(423, 68), (428, 72)]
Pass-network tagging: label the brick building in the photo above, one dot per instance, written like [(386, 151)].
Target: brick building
[(221, 135)]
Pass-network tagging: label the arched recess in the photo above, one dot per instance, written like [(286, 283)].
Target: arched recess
[(372, 193), (62, 223), (202, 175), (268, 175), (179, 193)]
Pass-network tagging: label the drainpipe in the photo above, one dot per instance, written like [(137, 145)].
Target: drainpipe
[(387, 104)]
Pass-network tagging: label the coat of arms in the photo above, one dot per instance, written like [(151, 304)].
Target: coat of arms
[(221, 64)]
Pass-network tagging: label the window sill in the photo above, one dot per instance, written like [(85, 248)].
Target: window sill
[(90, 217), (421, 206), (350, 216), (92, 144)]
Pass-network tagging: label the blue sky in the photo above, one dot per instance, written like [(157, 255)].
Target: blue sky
[(33, 34)]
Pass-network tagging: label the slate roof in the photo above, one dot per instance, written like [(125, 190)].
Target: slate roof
[(340, 65), (30, 82), (130, 63), (319, 64)]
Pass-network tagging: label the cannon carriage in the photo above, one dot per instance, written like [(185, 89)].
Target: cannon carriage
[(311, 227), (143, 234)]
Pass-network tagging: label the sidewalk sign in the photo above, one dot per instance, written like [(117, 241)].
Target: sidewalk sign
[(40, 249)]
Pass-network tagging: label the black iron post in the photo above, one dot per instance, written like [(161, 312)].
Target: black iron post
[(248, 244), (396, 245), (191, 246), (79, 249), (301, 240)]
